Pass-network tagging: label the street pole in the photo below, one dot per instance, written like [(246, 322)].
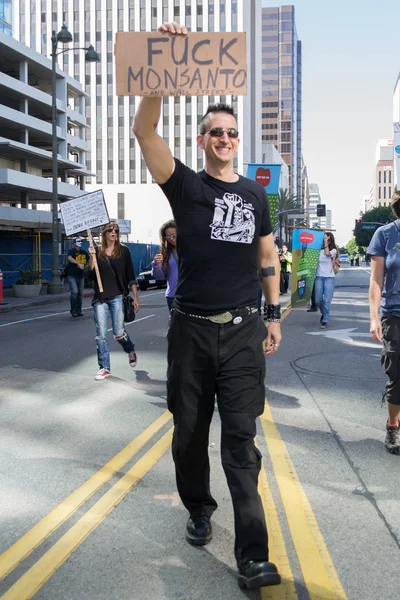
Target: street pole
[(55, 285)]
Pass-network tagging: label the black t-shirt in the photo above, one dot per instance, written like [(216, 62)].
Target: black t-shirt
[(82, 257), (126, 274), (218, 228)]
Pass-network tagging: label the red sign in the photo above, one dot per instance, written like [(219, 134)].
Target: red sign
[(306, 238), (263, 176)]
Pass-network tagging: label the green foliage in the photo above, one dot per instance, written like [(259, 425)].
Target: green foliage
[(28, 276), (351, 247), (379, 214), (285, 202)]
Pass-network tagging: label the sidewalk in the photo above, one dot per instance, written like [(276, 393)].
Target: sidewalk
[(12, 303)]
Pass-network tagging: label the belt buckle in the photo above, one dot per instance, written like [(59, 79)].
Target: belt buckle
[(225, 317)]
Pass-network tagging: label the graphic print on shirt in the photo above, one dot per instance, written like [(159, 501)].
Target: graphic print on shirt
[(234, 220)]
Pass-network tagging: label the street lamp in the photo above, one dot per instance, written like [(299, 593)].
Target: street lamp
[(63, 37)]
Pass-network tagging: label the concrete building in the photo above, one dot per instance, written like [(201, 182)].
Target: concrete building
[(26, 128), (396, 134), (271, 156), (6, 17), (383, 177), (282, 89), (314, 199), (114, 153)]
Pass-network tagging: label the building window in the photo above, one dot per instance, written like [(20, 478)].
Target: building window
[(390, 189), (380, 177), (390, 176), (384, 176), (384, 190), (379, 193), (121, 206)]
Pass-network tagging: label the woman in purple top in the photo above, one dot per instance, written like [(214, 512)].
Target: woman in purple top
[(165, 264)]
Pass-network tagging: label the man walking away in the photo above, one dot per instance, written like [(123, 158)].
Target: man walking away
[(224, 238), (77, 260)]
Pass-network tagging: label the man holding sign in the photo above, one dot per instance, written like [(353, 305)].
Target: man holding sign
[(215, 340)]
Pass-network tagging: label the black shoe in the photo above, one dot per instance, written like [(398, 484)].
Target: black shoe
[(199, 530), (324, 324), (312, 309), (254, 574), (80, 314), (73, 313)]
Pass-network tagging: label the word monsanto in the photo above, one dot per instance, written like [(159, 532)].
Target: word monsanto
[(197, 64)]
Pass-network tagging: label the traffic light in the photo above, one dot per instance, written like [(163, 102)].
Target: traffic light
[(358, 224), (321, 210)]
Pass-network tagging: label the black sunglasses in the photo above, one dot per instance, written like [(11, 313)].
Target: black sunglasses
[(111, 229), (219, 132)]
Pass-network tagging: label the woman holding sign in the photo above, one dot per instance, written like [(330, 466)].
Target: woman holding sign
[(325, 278), (117, 276)]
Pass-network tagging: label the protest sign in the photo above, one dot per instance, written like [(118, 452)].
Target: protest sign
[(124, 225), (85, 212), (306, 247), (198, 64), (268, 176)]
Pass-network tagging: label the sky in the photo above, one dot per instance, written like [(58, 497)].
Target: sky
[(351, 60)]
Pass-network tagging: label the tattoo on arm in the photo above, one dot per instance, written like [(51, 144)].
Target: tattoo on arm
[(267, 272)]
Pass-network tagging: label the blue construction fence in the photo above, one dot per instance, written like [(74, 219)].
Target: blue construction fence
[(21, 252)]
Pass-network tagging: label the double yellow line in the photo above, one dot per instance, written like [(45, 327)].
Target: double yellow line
[(320, 577), (319, 574), (46, 566)]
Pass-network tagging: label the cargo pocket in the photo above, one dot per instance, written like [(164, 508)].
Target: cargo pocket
[(172, 386)]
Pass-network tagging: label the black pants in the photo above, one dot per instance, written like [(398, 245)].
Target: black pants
[(206, 359), (390, 357), (284, 283)]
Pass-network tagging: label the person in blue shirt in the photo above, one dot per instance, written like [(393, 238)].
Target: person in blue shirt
[(165, 264), (77, 261), (384, 293)]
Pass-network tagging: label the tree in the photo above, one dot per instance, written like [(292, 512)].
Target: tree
[(379, 216), (351, 247), (285, 202)]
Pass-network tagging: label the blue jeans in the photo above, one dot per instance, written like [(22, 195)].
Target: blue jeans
[(324, 288), (170, 302), (76, 285), (101, 310)]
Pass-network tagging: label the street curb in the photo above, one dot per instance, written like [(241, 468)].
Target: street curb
[(8, 307)]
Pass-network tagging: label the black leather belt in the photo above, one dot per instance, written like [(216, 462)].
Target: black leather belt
[(226, 317)]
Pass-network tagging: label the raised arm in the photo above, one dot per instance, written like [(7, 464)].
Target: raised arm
[(156, 152)]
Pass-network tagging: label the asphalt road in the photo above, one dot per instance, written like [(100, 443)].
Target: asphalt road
[(88, 501)]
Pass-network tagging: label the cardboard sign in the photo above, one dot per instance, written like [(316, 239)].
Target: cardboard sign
[(123, 224), (85, 212), (199, 64)]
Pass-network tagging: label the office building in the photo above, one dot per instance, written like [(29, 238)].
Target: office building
[(26, 128), (396, 134), (6, 17), (271, 156), (314, 199), (383, 178), (282, 89), (115, 156)]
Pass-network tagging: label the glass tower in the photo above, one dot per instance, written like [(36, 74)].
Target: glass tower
[(6, 17), (281, 89)]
